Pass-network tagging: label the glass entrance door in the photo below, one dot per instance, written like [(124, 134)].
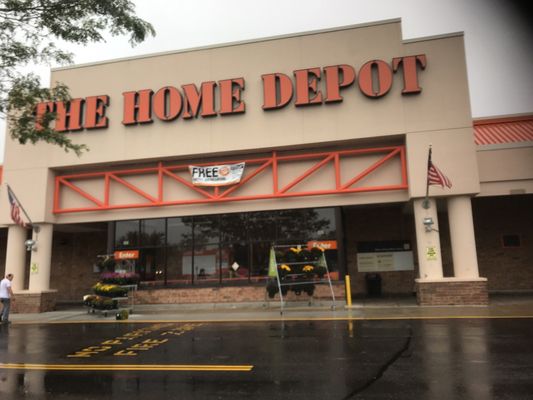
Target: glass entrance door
[(151, 265)]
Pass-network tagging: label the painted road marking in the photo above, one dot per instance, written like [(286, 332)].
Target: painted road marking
[(127, 367), (134, 349), (273, 319)]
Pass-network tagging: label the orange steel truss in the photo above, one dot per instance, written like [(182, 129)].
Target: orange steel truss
[(264, 165)]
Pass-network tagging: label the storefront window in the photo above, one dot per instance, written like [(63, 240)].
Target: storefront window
[(206, 263), (222, 249), (326, 226), (179, 254), (206, 229), (235, 262), (296, 226), (127, 234), (153, 232), (260, 257), (151, 265), (179, 232), (262, 226), (233, 227)]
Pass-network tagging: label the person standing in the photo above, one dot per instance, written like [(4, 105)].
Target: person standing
[(6, 294)]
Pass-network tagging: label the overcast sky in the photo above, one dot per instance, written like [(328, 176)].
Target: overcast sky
[(498, 36)]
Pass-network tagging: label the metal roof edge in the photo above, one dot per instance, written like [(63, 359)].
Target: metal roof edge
[(434, 37), (503, 146), (498, 119), (230, 44)]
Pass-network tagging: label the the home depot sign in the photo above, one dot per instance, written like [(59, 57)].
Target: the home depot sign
[(225, 97)]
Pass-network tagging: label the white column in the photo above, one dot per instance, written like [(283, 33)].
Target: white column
[(16, 255), (41, 259), (462, 237), (428, 242)]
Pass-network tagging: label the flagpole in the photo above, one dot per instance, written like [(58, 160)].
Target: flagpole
[(22, 208), (426, 203)]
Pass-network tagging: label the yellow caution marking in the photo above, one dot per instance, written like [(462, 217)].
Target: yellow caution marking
[(127, 367)]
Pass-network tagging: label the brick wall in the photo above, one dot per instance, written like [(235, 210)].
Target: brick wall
[(505, 268), (25, 302), (228, 295), (378, 223), (73, 256), (452, 293)]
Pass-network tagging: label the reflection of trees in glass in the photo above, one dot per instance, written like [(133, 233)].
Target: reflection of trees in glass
[(285, 225), (206, 229), (233, 228), (127, 233), (179, 233), (153, 239), (152, 232), (262, 226), (128, 239), (305, 224)]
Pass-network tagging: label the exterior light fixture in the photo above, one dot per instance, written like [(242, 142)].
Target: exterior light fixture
[(428, 224), (31, 245)]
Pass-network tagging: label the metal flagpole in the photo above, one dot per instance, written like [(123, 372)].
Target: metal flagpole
[(34, 227), (426, 203)]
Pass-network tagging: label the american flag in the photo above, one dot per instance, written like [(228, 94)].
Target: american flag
[(15, 209), (435, 176)]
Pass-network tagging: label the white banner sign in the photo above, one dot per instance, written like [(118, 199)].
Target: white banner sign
[(385, 261), (216, 175)]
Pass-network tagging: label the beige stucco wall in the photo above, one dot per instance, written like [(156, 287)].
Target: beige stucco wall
[(506, 171), (439, 115)]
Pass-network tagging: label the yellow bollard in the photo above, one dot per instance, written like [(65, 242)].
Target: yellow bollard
[(348, 291)]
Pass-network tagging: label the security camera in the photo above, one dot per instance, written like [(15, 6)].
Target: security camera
[(30, 245)]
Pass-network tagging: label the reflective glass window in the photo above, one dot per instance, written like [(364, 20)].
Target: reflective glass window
[(233, 227), (234, 264), (206, 229), (206, 264), (179, 232), (127, 234), (153, 232), (262, 226)]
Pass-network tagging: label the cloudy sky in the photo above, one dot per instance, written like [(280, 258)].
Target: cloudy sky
[(498, 36)]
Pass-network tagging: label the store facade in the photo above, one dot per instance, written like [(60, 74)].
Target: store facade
[(330, 131)]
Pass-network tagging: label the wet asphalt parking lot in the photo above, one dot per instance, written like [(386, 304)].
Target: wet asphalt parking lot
[(316, 359)]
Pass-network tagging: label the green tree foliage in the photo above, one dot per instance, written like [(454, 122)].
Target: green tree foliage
[(28, 29)]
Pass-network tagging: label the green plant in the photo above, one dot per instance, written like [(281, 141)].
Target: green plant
[(99, 302), (109, 290), (122, 314)]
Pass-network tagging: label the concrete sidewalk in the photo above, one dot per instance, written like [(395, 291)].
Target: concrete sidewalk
[(500, 306)]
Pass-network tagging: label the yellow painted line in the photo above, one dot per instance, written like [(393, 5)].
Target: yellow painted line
[(127, 367), (346, 318)]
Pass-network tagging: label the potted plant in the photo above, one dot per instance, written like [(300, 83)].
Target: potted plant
[(109, 290)]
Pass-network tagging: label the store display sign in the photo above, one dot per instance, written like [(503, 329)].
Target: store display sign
[(216, 175), (126, 255), (384, 256), (322, 244), (208, 99)]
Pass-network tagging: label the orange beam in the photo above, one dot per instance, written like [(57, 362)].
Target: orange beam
[(216, 194)]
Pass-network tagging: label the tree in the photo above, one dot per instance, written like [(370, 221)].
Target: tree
[(28, 29)]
